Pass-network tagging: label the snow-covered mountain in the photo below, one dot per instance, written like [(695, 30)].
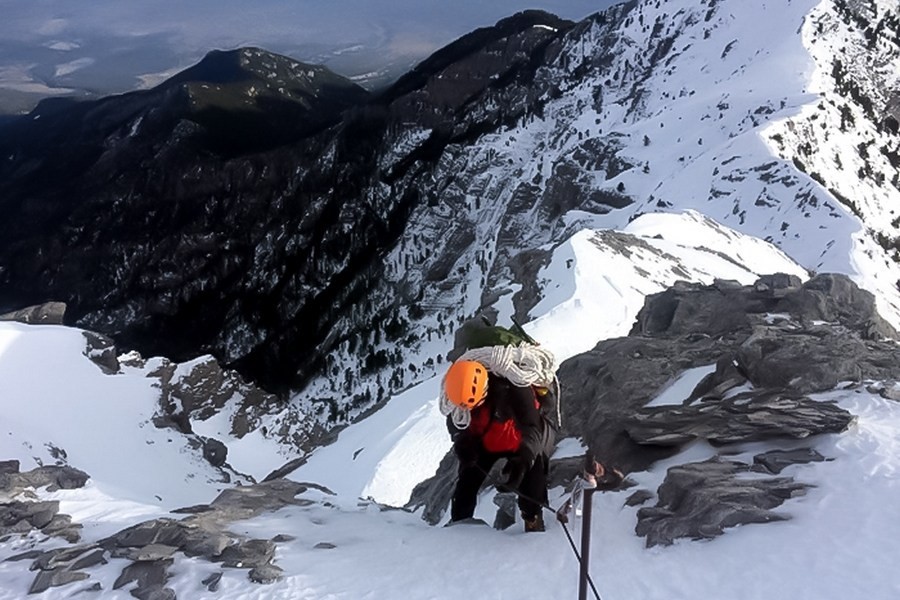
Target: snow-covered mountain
[(722, 108), (338, 265), (552, 172)]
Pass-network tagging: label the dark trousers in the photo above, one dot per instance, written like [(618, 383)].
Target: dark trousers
[(532, 492)]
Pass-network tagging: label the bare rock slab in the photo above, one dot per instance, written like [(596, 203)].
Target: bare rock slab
[(700, 500)]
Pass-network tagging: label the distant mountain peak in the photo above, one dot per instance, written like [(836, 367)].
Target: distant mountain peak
[(255, 64)]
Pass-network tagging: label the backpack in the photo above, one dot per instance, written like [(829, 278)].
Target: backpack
[(490, 335), (477, 332)]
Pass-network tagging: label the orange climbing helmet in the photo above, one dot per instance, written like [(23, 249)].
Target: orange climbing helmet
[(466, 383)]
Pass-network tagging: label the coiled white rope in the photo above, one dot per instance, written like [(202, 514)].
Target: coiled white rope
[(522, 365)]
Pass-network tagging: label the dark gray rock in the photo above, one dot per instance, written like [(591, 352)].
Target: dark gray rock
[(192, 510), (889, 390), (206, 542), (249, 553), (91, 559), (745, 417), (21, 517), (52, 477), (243, 502), (158, 531), (775, 461), (60, 557), (151, 552), (777, 285), (49, 313), (684, 328), (692, 307), (154, 592), (725, 308), (815, 358), (701, 500), (151, 545), (836, 298), (506, 510), (212, 582), (639, 497), (215, 452), (433, 495), (36, 515), (602, 388), (265, 574), (62, 526), (325, 546), (55, 578), (102, 352), (289, 467), (149, 575), (9, 466), (28, 555), (42, 517)]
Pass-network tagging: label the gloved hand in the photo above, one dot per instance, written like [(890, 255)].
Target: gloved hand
[(466, 449), (515, 469)]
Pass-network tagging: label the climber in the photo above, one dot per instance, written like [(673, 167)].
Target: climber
[(489, 418)]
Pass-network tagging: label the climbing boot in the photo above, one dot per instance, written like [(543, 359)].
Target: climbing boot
[(536, 523)]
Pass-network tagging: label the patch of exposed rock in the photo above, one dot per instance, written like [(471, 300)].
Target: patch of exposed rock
[(765, 340), (21, 512), (201, 389), (701, 500), (152, 546), (48, 313), (744, 417)]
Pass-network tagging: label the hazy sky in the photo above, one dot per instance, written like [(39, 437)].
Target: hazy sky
[(103, 45), (238, 22), (74, 36)]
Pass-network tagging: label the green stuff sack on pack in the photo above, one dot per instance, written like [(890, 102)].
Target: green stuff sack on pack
[(475, 333)]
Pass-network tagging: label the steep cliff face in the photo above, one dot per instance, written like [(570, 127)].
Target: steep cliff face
[(339, 260)]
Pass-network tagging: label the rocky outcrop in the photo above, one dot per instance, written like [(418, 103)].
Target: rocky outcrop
[(199, 389), (20, 513), (13, 482), (743, 417), (768, 347), (700, 500), (48, 313), (102, 351), (770, 336), (152, 546)]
